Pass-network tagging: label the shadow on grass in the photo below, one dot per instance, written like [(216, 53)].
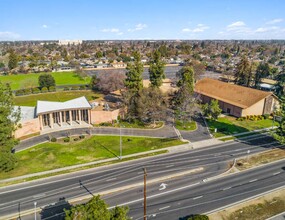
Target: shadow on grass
[(225, 128), (101, 145), (55, 211)]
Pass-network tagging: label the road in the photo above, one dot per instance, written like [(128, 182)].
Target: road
[(214, 160)]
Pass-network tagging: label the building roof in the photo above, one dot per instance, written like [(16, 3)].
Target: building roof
[(240, 96), (78, 103)]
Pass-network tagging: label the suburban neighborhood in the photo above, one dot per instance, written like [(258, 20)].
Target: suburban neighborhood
[(103, 118)]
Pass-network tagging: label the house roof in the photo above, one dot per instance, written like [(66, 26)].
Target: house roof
[(78, 103), (240, 96)]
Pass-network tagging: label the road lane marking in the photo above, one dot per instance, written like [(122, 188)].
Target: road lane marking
[(227, 188), (198, 197), (111, 179), (39, 195), (166, 207), (251, 181), (274, 174), (170, 166)]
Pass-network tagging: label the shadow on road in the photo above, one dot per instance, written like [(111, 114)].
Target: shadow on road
[(55, 211)]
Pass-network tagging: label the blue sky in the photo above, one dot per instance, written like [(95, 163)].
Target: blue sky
[(141, 19)]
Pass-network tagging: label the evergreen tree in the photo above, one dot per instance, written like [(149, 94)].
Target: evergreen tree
[(262, 71), (13, 60), (9, 118), (243, 72), (212, 110), (280, 132), (156, 70)]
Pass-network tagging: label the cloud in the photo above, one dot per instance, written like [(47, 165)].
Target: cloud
[(7, 35), (44, 26), (120, 33), (238, 27), (198, 29), (111, 30), (274, 21), (138, 27)]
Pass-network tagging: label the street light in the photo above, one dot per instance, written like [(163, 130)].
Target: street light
[(35, 203)]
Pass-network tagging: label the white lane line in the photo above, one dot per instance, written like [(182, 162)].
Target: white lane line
[(170, 166), (276, 173), (39, 195), (166, 207), (198, 197), (227, 188), (111, 179), (251, 181)]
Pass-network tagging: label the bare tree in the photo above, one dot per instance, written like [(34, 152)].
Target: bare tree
[(111, 81)]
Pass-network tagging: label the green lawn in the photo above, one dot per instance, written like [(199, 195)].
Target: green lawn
[(31, 100), (229, 125), (50, 156), (134, 124), (186, 126), (20, 81)]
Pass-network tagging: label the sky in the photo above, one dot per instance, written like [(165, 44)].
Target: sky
[(141, 19)]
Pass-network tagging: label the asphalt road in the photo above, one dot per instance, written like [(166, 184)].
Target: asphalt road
[(214, 160)]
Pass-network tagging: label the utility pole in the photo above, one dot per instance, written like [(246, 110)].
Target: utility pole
[(144, 194)]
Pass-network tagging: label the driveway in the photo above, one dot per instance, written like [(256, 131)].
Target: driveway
[(201, 133)]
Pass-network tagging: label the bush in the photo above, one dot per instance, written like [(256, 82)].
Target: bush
[(19, 92), (36, 90), (66, 139), (66, 88), (81, 136), (105, 124), (53, 139), (52, 89), (27, 91), (266, 116), (76, 139), (82, 87), (75, 88), (44, 90)]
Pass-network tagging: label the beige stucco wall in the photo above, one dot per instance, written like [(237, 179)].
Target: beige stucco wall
[(28, 127), (103, 116), (256, 109)]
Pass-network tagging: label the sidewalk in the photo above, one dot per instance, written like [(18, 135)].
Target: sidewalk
[(248, 132)]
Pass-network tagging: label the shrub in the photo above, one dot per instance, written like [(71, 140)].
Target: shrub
[(76, 139), (266, 116), (44, 90), (19, 92), (66, 88), (52, 89), (75, 88), (105, 124), (66, 139), (81, 136), (53, 139), (27, 91), (36, 90), (82, 87)]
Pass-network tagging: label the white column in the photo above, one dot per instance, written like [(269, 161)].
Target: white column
[(89, 116), (51, 120), (79, 114), (60, 118), (70, 117)]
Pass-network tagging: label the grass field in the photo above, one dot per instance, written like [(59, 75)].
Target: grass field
[(20, 81), (186, 126), (50, 156), (31, 100), (229, 125)]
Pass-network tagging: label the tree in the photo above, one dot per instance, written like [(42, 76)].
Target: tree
[(13, 60), (212, 110), (262, 71), (9, 118), (81, 73), (280, 132), (243, 72), (46, 80), (156, 70), (134, 85), (93, 82), (96, 208), (111, 81)]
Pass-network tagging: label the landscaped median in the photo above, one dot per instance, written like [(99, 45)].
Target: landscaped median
[(49, 156), (228, 125)]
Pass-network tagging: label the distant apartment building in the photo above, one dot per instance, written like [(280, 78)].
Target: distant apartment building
[(69, 42)]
